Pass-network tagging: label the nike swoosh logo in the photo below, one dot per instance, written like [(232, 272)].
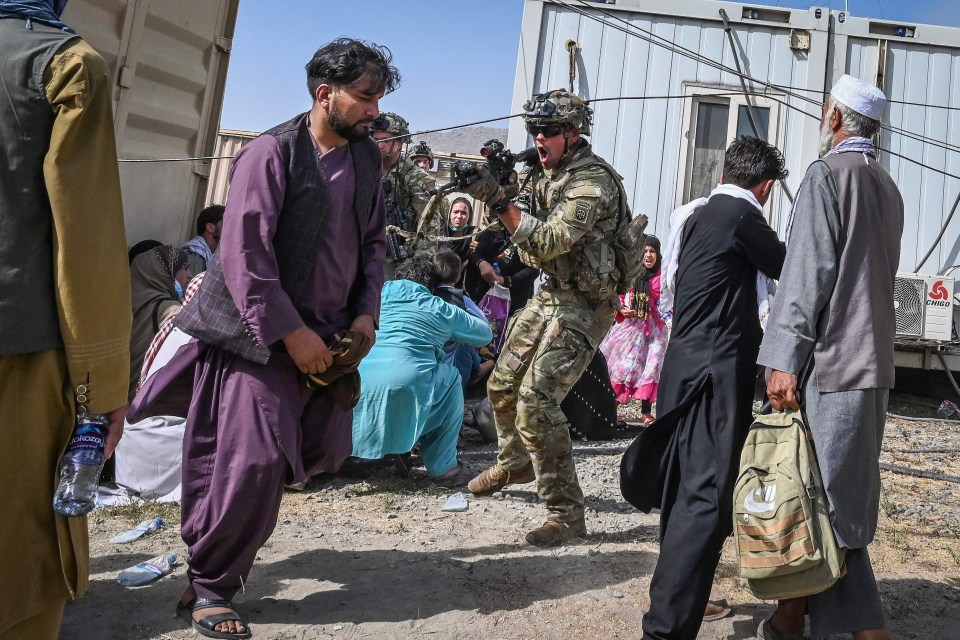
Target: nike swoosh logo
[(767, 500)]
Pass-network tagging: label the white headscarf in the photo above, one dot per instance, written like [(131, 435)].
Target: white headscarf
[(766, 287)]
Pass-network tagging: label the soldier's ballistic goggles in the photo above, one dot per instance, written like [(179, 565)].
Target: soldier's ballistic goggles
[(548, 130)]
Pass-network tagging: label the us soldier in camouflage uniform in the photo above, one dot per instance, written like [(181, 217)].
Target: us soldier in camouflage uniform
[(406, 189), (577, 206), (421, 155)]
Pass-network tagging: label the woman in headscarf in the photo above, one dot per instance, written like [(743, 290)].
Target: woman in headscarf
[(458, 226), (635, 345), (157, 280)]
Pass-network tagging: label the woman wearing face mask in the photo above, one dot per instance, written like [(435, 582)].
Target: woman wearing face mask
[(458, 226), (157, 280), (635, 345)]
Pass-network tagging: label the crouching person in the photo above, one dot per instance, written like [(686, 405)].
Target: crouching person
[(409, 395)]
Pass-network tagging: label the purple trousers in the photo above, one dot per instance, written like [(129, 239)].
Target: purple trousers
[(251, 429)]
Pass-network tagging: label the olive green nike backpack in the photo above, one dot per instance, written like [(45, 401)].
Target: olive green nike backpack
[(786, 547)]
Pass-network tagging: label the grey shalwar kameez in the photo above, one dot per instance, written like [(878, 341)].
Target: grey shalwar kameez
[(835, 303)]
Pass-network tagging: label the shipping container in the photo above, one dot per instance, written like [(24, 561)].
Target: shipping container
[(168, 60)]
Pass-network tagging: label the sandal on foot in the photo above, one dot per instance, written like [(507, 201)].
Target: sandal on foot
[(766, 632), (205, 626)]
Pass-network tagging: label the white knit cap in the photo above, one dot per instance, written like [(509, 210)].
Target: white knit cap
[(860, 96)]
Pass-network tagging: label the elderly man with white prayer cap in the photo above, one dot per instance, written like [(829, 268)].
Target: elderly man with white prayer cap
[(832, 328)]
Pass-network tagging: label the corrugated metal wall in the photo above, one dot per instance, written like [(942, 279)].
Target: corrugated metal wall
[(921, 74), (228, 143), (169, 61), (646, 140)]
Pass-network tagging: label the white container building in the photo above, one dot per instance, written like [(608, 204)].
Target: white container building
[(677, 111)]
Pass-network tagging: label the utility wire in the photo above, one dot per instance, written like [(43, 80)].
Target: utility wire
[(660, 41), (133, 160), (779, 99)]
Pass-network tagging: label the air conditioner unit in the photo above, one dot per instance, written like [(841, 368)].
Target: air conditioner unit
[(924, 306)]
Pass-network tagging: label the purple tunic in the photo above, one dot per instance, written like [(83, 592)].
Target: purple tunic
[(253, 428), (257, 185)]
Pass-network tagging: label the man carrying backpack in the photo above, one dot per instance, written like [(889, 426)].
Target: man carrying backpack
[(578, 208), (834, 309)]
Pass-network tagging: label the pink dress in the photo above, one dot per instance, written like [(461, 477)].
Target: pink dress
[(634, 349)]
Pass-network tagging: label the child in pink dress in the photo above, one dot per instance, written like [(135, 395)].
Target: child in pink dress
[(635, 345)]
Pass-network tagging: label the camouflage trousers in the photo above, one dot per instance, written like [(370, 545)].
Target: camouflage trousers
[(549, 345)]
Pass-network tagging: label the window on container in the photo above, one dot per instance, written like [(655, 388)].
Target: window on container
[(709, 143), (762, 116), (717, 122)]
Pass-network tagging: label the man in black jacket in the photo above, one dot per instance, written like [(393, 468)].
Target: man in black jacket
[(706, 387)]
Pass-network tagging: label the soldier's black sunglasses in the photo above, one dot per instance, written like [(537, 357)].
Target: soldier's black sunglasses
[(548, 130)]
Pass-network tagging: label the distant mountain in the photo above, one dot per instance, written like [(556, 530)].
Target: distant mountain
[(464, 140)]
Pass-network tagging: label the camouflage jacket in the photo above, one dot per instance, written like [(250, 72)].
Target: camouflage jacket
[(575, 212), (407, 193)]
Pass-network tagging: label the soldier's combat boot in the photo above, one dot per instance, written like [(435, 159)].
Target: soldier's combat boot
[(555, 533), (496, 478)]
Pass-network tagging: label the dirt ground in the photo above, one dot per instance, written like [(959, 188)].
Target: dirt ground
[(378, 558)]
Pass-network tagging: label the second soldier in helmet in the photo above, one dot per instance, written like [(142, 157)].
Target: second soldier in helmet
[(406, 189), (421, 155)]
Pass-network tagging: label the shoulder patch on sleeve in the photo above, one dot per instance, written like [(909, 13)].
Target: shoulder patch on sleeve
[(581, 211), (580, 214)]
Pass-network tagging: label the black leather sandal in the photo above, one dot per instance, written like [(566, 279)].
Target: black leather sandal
[(205, 626)]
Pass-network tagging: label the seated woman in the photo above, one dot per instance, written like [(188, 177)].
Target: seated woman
[(149, 456), (408, 395), (157, 280)]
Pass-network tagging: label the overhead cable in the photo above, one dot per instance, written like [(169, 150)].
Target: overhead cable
[(660, 41)]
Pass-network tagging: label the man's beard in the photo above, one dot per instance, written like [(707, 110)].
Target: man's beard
[(350, 132), (826, 140)]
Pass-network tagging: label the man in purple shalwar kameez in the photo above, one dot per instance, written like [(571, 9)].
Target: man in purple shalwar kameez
[(300, 257)]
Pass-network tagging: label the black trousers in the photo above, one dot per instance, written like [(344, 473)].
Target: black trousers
[(692, 526)]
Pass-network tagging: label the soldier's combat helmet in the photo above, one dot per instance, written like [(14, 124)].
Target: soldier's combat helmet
[(391, 123), (421, 149), (558, 107)]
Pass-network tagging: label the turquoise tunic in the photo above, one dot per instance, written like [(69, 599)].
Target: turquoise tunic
[(408, 394)]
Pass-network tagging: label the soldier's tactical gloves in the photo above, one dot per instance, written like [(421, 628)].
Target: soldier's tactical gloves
[(485, 187), (511, 190)]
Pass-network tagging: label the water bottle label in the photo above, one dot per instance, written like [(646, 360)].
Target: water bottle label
[(88, 436)]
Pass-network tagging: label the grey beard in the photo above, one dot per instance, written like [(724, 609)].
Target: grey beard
[(826, 141)]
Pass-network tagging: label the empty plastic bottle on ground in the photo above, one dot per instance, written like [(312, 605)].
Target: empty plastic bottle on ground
[(147, 571), (81, 465)]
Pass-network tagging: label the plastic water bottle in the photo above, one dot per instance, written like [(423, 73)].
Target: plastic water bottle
[(81, 465), (147, 571), (140, 530)]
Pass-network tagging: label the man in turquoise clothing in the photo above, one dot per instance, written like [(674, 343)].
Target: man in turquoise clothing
[(408, 394)]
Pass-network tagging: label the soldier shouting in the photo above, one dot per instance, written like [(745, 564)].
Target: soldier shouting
[(578, 206)]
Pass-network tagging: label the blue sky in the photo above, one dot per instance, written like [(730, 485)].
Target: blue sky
[(457, 57)]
